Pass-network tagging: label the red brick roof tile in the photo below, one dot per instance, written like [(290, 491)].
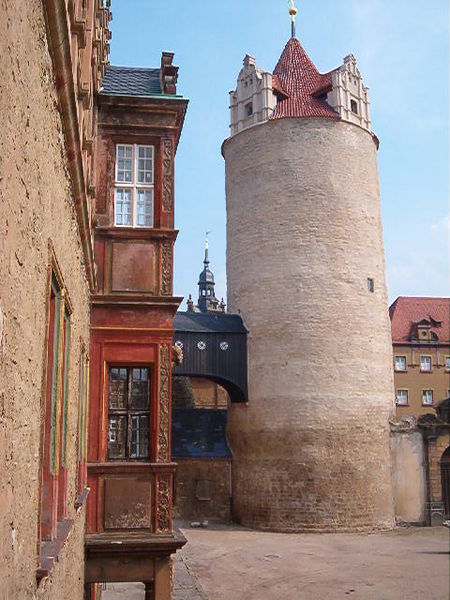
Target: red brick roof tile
[(407, 311), (300, 80)]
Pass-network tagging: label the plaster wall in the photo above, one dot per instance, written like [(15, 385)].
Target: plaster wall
[(408, 476), (311, 447), (36, 205)]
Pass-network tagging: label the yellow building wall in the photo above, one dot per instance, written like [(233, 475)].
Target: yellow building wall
[(415, 381)]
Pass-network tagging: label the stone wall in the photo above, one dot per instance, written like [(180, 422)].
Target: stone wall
[(202, 489), (408, 472), (198, 392), (36, 206), (304, 236), (437, 445)]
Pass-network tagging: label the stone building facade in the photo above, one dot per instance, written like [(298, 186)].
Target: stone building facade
[(52, 58), (421, 346), (305, 267)]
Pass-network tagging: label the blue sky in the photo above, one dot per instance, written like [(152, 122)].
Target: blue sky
[(402, 52)]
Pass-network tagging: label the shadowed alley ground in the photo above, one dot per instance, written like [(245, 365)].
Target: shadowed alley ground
[(233, 563)]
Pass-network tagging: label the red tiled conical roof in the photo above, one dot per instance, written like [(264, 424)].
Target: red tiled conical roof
[(301, 81)]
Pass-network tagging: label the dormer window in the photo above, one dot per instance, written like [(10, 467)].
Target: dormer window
[(354, 107), (134, 186), (249, 109)]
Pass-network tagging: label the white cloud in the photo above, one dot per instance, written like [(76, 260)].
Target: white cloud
[(442, 226)]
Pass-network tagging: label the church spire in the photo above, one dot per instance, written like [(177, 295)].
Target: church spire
[(292, 11), (207, 301), (206, 261)]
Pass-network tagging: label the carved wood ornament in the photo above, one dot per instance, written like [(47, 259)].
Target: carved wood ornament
[(164, 503), (164, 402), (166, 268), (167, 179)]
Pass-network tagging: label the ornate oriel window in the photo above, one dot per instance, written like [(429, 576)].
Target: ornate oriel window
[(128, 413), (134, 186)]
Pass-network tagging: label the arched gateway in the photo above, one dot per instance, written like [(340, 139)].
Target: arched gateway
[(445, 482)]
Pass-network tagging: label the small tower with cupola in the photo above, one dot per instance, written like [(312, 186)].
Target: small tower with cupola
[(206, 296), (207, 301)]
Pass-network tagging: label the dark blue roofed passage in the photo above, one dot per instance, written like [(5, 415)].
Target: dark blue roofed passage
[(131, 81), (214, 347), (199, 433)]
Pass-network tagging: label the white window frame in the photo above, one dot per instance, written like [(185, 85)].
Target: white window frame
[(395, 363), (134, 186), (431, 363), (406, 395), (424, 396)]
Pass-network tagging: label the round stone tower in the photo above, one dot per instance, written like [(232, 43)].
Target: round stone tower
[(305, 267)]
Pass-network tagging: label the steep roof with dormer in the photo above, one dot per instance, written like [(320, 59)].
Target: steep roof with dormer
[(408, 312), (301, 85)]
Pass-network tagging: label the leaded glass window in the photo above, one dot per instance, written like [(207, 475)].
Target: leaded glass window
[(129, 413)]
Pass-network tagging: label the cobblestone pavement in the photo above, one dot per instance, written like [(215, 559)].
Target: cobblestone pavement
[(233, 563), (186, 586)]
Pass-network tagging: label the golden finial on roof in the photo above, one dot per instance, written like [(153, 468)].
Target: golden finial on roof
[(292, 11)]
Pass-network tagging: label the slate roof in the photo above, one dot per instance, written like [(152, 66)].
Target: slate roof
[(199, 433), (208, 322), (131, 81), (407, 311), (299, 79)]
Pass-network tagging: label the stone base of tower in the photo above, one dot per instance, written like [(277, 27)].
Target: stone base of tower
[(338, 480)]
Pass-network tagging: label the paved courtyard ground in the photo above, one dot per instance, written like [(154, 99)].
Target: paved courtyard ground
[(232, 563)]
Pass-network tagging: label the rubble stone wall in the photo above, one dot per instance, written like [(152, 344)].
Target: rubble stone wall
[(192, 500), (304, 236), (36, 206)]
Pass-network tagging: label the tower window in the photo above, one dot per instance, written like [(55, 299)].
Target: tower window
[(249, 109), (370, 284), (354, 107)]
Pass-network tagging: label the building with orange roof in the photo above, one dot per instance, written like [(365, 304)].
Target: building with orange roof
[(421, 346)]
